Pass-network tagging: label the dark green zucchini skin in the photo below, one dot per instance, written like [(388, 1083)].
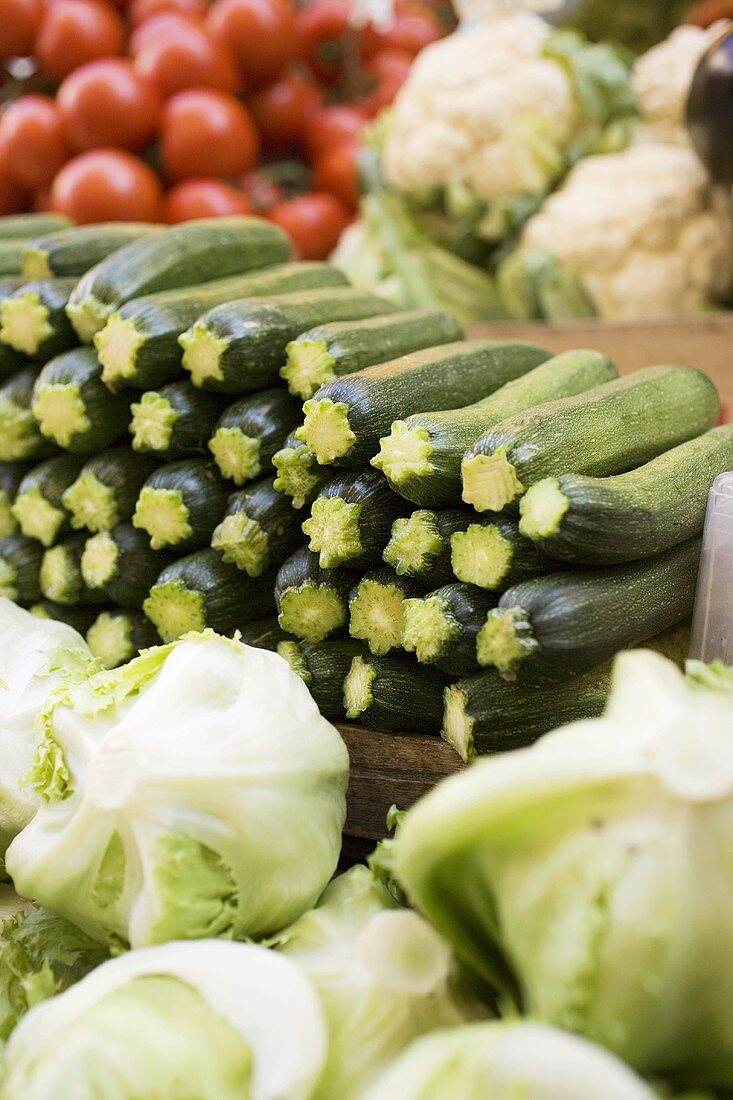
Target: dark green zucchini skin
[(434, 568), (24, 557), (323, 666), (107, 415), (51, 479), (298, 475), (525, 559), (123, 472), (10, 362), (406, 697), (263, 634), (137, 567), (73, 250), (568, 623), (378, 507), (139, 633), (78, 616), (467, 608), (257, 332), (11, 475), (642, 512), (21, 439), (8, 285), (53, 294), (78, 591), (300, 579), (266, 418), (197, 413), (11, 255), (18, 226), (202, 491), (272, 513)]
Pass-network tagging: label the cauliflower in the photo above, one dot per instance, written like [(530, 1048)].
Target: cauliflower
[(643, 232)]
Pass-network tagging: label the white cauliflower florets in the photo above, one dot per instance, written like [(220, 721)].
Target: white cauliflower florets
[(644, 229)]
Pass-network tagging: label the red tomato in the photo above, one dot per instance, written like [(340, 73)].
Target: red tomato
[(262, 34), (314, 223), (32, 142), (12, 197), (207, 132), (20, 20), (204, 198), (107, 103), (156, 27), (389, 69), (337, 172), (74, 32), (326, 36), (411, 32), (186, 56), (262, 191), (331, 127), (140, 10), (283, 111), (107, 185), (41, 201)]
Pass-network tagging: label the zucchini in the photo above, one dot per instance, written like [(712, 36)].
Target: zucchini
[(323, 667), (11, 475), (607, 430), (20, 565), (138, 345), (105, 492), (20, 435), (311, 602), (10, 362), (240, 346), (376, 606), (183, 256), (299, 475), (251, 431), (262, 634), (493, 554), (394, 696), (351, 519), (60, 575), (201, 591), (420, 544), (180, 504), (174, 421), (30, 225), (259, 529), (11, 255), (441, 628), (421, 457), (115, 637), (326, 352), (73, 406), (600, 521), (121, 564), (59, 251), (344, 421), (80, 617), (33, 319), (39, 507), (563, 624)]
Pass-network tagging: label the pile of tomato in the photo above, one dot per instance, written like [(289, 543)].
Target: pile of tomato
[(168, 110)]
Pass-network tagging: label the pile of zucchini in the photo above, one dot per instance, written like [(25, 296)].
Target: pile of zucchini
[(196, 431)]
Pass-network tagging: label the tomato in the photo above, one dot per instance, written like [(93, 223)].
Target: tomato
[(186, 56), (337, 172), (331, 127), (12, 197), (389, 70), (107, 103), (32, 142), (204, 198), (74, 32), (41, 201), (20, 20), (314, 223), (709, 12), (107, 185), (283, 111), (140, 10), (157, 27), (411, 32), (204, 132), (262, 34), (326, 37)]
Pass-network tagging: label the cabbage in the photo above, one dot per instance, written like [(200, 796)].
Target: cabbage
[(208, 1020), (590, 877), (507, 1061), (195, 792), (383, 974)]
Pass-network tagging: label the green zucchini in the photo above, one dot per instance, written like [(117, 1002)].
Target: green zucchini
[(33, 319), (376, 609), (259, 529), (78, 616), (299, 475), (174, 421), (39, 507), (441, 628), (201, 591), (58, 252), (311, 602), (323, 667), (262, 634), (121, 564), (607, 430), (240, 346), (115, 637), (493, 554), (326, 352), (345, 420), (251, 431), (11, 255), (10, 362), (20, 436), (138, 345), (394, 696), (180, 504), (20, 565), (600, 521), (421, 457), (26, 226), (60, 575), (563, 624), (11, 475), (105, 492), (420, 544), (73, 406), (183, 256), (351, 519)]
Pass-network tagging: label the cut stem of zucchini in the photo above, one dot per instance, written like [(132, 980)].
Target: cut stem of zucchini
[(311, 602), (376, 606), (20, 435), (351, 519), (20, 564), (73, 406), (34, 319), (175, 421), (323, 667), (181, 504), (106, 490), (299, 476), (260, 529), (73, 250), (394, 696), (495, 555), (121, 564), (250, 431), (39, 507), (419, 545), (115, 637), (60, 575), (441, 628)]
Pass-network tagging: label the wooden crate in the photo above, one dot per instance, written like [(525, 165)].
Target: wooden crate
[(399, 768)]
